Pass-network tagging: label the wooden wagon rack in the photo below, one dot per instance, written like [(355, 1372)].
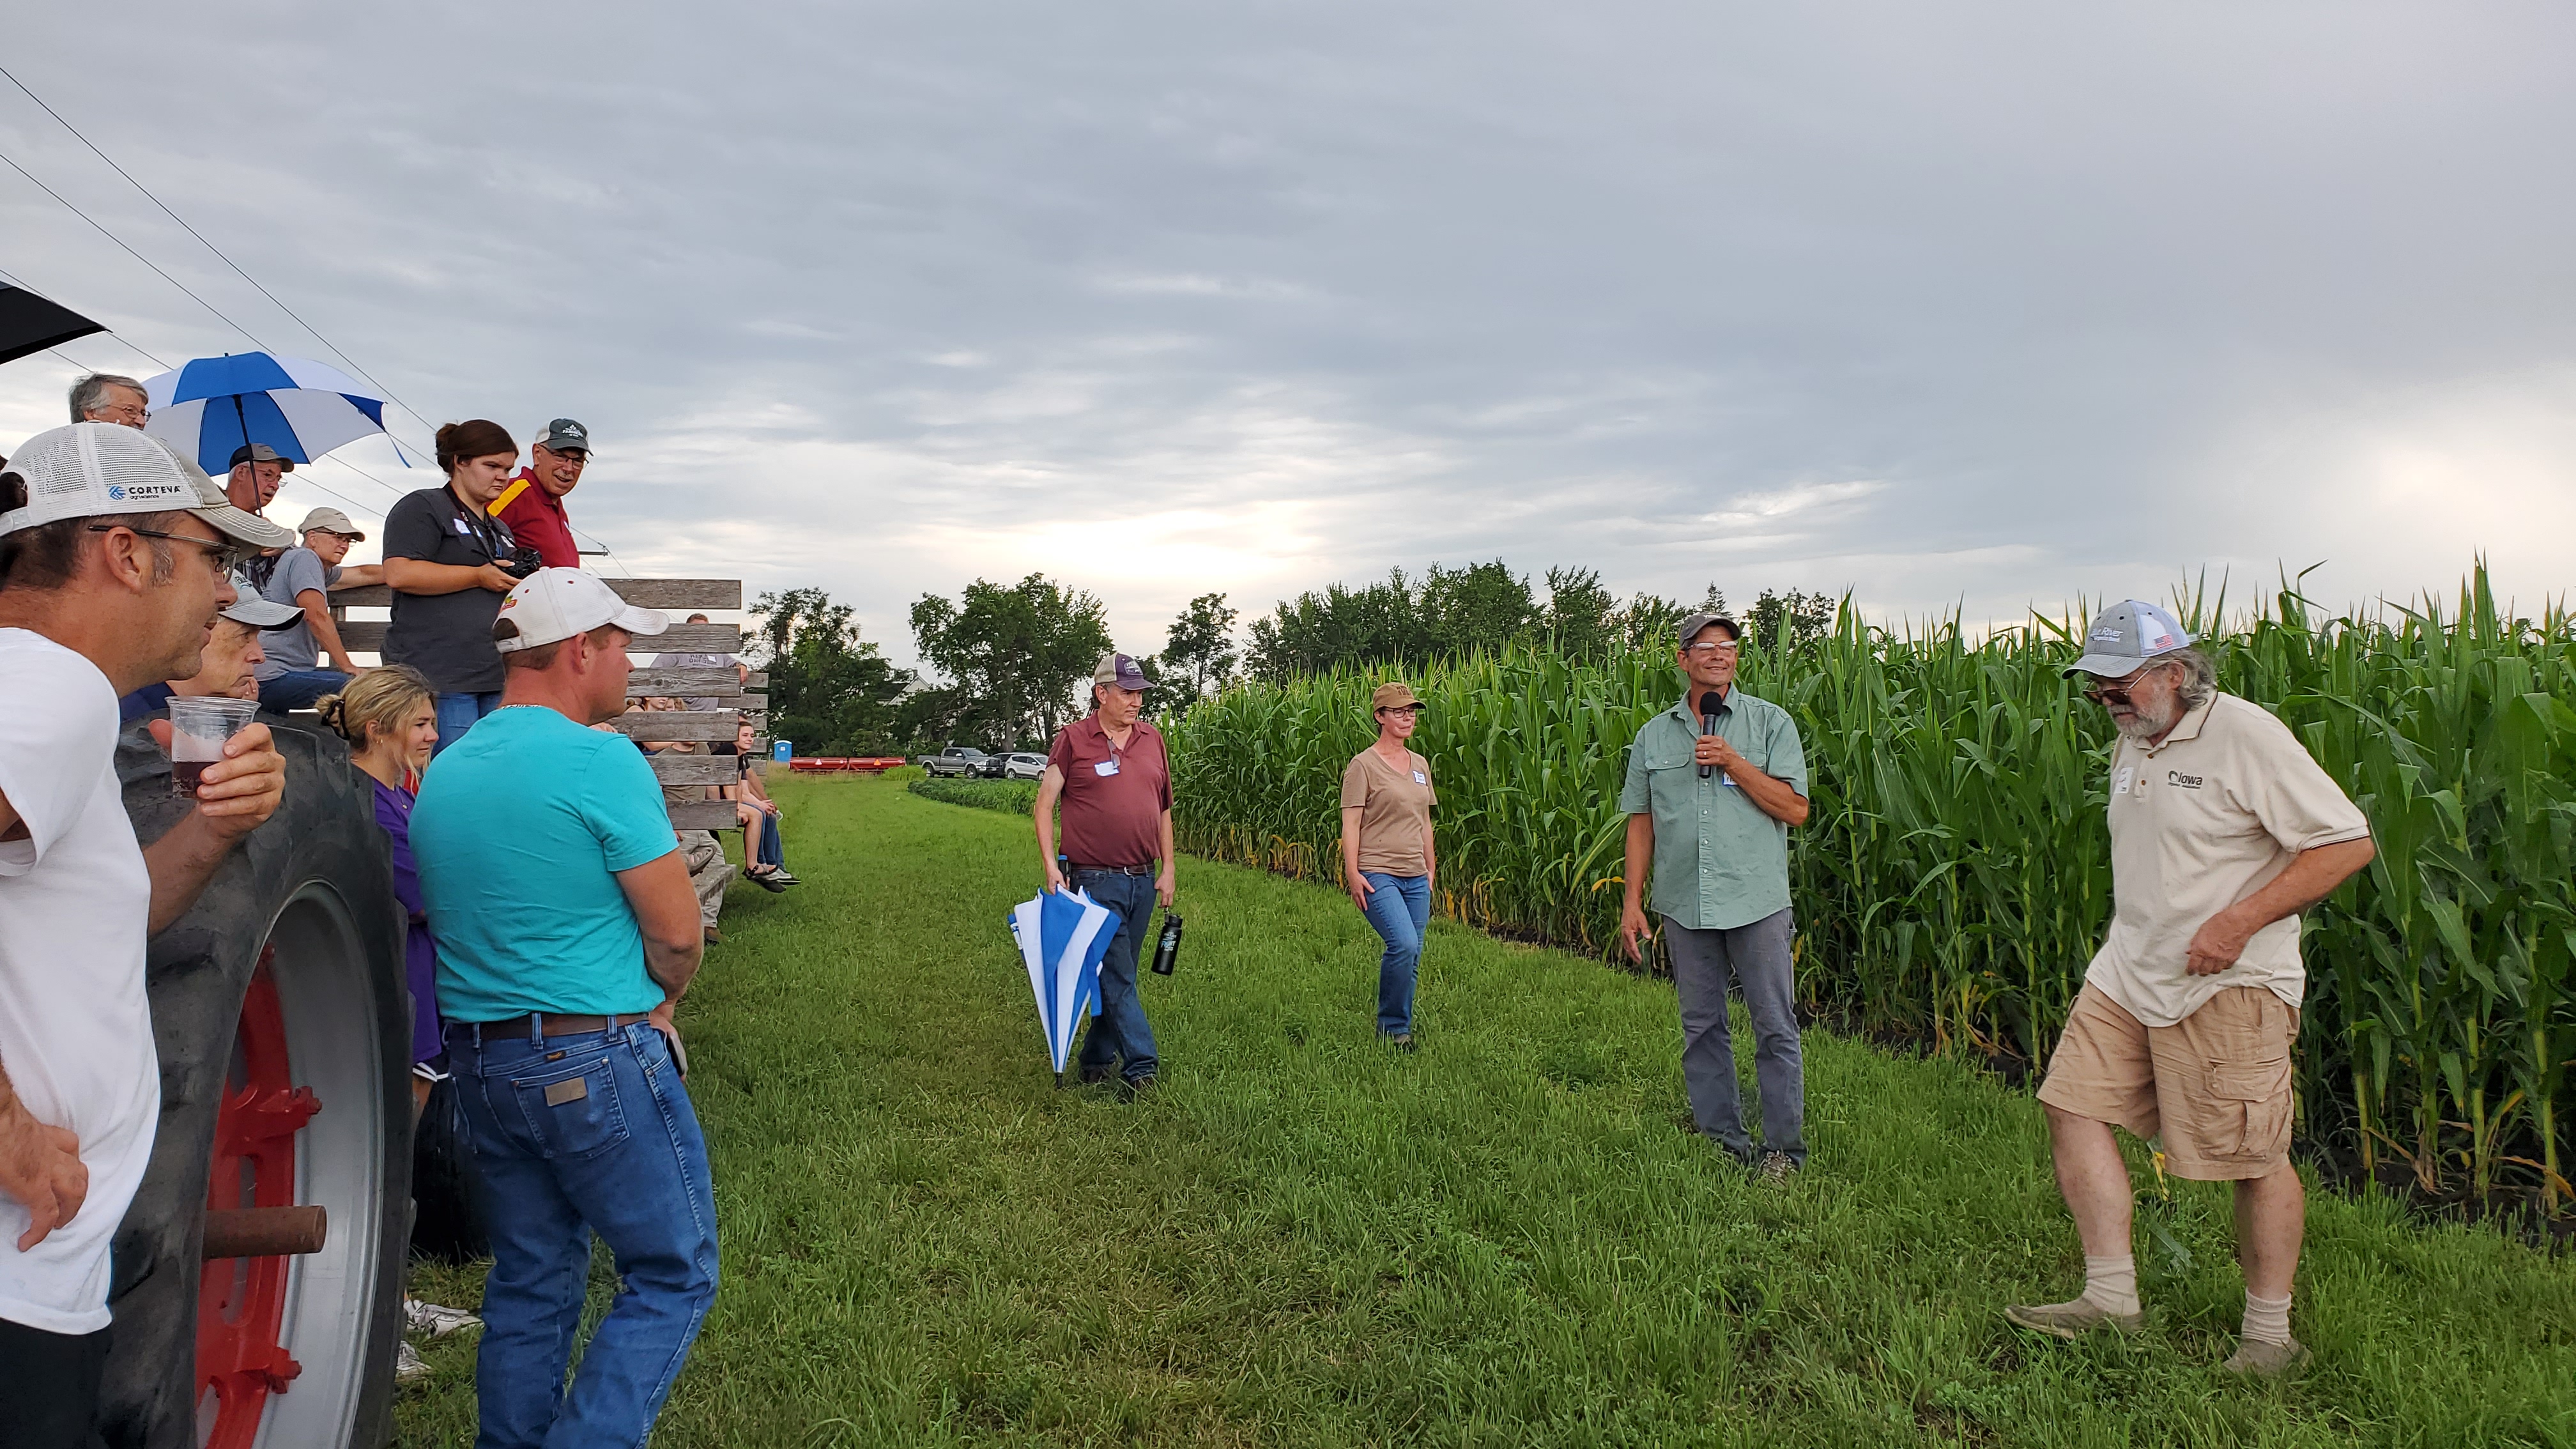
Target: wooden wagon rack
[(737, 697)]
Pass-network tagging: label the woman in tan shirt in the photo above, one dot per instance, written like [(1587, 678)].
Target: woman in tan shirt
[(1386, 851)]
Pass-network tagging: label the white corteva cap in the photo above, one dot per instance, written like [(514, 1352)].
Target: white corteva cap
[(554, 604), (86, 470)]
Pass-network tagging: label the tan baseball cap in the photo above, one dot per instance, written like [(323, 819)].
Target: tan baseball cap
[(330, 520), (85, 470), (1394, 696)]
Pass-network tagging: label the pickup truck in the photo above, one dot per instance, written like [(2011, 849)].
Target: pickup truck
[(962, 760)]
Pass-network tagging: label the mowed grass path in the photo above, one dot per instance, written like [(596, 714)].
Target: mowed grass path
[(1301, 1238)]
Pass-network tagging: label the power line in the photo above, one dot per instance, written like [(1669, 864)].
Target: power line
[(131, 252), (210, 246)]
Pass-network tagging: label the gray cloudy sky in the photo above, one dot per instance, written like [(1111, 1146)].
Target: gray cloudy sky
[(1981, 304)]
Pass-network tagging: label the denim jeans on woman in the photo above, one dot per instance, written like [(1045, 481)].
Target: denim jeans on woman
[(771, 851), (1400, 907), (1120, 1033), (457, 714), (575, 1135)]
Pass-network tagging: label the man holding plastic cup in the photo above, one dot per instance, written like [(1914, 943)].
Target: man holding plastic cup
[(115, 555)]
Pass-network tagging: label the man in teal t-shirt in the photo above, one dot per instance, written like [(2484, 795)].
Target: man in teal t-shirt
[(528, 819), (566, 932)]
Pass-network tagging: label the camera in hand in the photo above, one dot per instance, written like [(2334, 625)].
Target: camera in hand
[(524, 560)]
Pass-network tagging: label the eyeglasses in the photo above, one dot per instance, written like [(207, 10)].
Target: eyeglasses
[(223, 553), (2117, 692), (1706, 647)]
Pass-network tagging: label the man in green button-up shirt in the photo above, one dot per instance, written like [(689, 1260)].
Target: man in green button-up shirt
[(1712, 807)]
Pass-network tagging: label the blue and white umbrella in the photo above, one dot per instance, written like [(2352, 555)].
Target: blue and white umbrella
[(1062, 936), (211, 406)]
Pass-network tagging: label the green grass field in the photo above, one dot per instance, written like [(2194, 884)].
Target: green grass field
[(1509, 1238)]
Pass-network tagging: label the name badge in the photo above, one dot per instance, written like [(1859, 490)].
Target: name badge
[(1421, 779), (2120, 782), (464, 529), (1728, 781), (1105, 767)]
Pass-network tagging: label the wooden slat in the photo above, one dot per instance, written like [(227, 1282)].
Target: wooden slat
[(676, 725), (368, 636), (680, 594), (759, 679), (673, 769), (684, 683), (705, 815), (751, 704)]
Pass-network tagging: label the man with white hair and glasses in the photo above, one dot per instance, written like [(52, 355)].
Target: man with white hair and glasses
[(2223, 830), (106, 397)]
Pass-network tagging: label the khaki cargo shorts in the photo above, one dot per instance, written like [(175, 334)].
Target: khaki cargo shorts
[(2216, 1084)]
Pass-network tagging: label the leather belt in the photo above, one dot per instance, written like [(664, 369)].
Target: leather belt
[(1146, 869), (548, 1023)]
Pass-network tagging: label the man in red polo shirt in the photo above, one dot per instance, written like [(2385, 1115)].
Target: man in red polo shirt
[(1109, 770), (532, 503)]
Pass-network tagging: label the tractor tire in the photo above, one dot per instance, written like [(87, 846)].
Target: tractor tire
[(283, 1022)]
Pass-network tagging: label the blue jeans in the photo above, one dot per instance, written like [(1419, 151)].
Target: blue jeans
[(1119, 1031), (298, 688), (457, 714), (1400, 907), (623, 1159), (771, 850)]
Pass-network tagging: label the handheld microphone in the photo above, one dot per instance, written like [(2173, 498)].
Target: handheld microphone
[(1708, 725)]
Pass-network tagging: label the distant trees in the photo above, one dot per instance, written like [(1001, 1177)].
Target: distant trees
[(1018, 658), (830, 691), (1199, 653)]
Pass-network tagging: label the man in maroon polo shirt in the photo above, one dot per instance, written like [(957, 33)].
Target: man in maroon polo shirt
[(1109, 771)]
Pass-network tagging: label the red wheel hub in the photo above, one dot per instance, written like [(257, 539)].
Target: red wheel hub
[(241, 1302)]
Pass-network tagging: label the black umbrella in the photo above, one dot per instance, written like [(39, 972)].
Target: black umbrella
[(29, 323)]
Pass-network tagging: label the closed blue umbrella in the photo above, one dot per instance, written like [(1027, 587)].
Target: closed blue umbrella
[(1062, 936), (211, 406)]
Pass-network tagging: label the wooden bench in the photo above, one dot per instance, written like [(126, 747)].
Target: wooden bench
[(736, 697)]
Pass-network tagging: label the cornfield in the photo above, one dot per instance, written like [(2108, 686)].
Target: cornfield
[(1954, 878)]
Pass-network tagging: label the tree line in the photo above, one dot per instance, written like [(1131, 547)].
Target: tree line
[(1013, 659)]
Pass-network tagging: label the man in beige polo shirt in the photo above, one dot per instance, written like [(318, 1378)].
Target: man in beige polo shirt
[(2222, 831)]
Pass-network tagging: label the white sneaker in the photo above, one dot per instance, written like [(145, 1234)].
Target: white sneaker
[(409, 1368), (435, 1320)]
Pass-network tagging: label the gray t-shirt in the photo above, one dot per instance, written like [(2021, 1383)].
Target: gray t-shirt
[(701, 703), (293, 647)]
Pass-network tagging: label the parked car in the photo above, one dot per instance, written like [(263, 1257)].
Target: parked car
[(1023, 766), (964, 761), (991, 769)]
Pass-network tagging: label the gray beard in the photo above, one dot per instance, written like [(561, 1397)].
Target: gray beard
[(2145, 728)]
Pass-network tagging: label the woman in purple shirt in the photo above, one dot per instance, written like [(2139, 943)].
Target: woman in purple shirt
[(389, 716)]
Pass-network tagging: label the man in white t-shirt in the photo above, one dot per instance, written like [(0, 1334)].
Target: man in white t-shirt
[(115, 555)]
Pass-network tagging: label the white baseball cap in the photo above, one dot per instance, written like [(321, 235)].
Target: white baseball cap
[(84, 470), (554, 604)]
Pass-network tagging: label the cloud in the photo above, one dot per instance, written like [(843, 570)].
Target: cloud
[(1959, 307)]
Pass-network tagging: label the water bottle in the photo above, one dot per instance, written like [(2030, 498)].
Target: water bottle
[(1167, 948)]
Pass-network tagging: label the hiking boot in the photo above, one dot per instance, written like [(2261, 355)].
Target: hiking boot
[(1094, 1076), (1775, 1169), (2267, 1360), (2072, 1319), (1130, 1088), (714, 936), (1400, 1040)]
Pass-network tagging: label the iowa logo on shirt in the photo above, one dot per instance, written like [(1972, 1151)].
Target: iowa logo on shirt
[(2183, 781)]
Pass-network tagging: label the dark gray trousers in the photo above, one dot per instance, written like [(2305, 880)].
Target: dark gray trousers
[(1756, 958)]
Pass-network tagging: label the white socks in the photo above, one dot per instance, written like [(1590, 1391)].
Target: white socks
[(2267, 1320), (2111, 1284)]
